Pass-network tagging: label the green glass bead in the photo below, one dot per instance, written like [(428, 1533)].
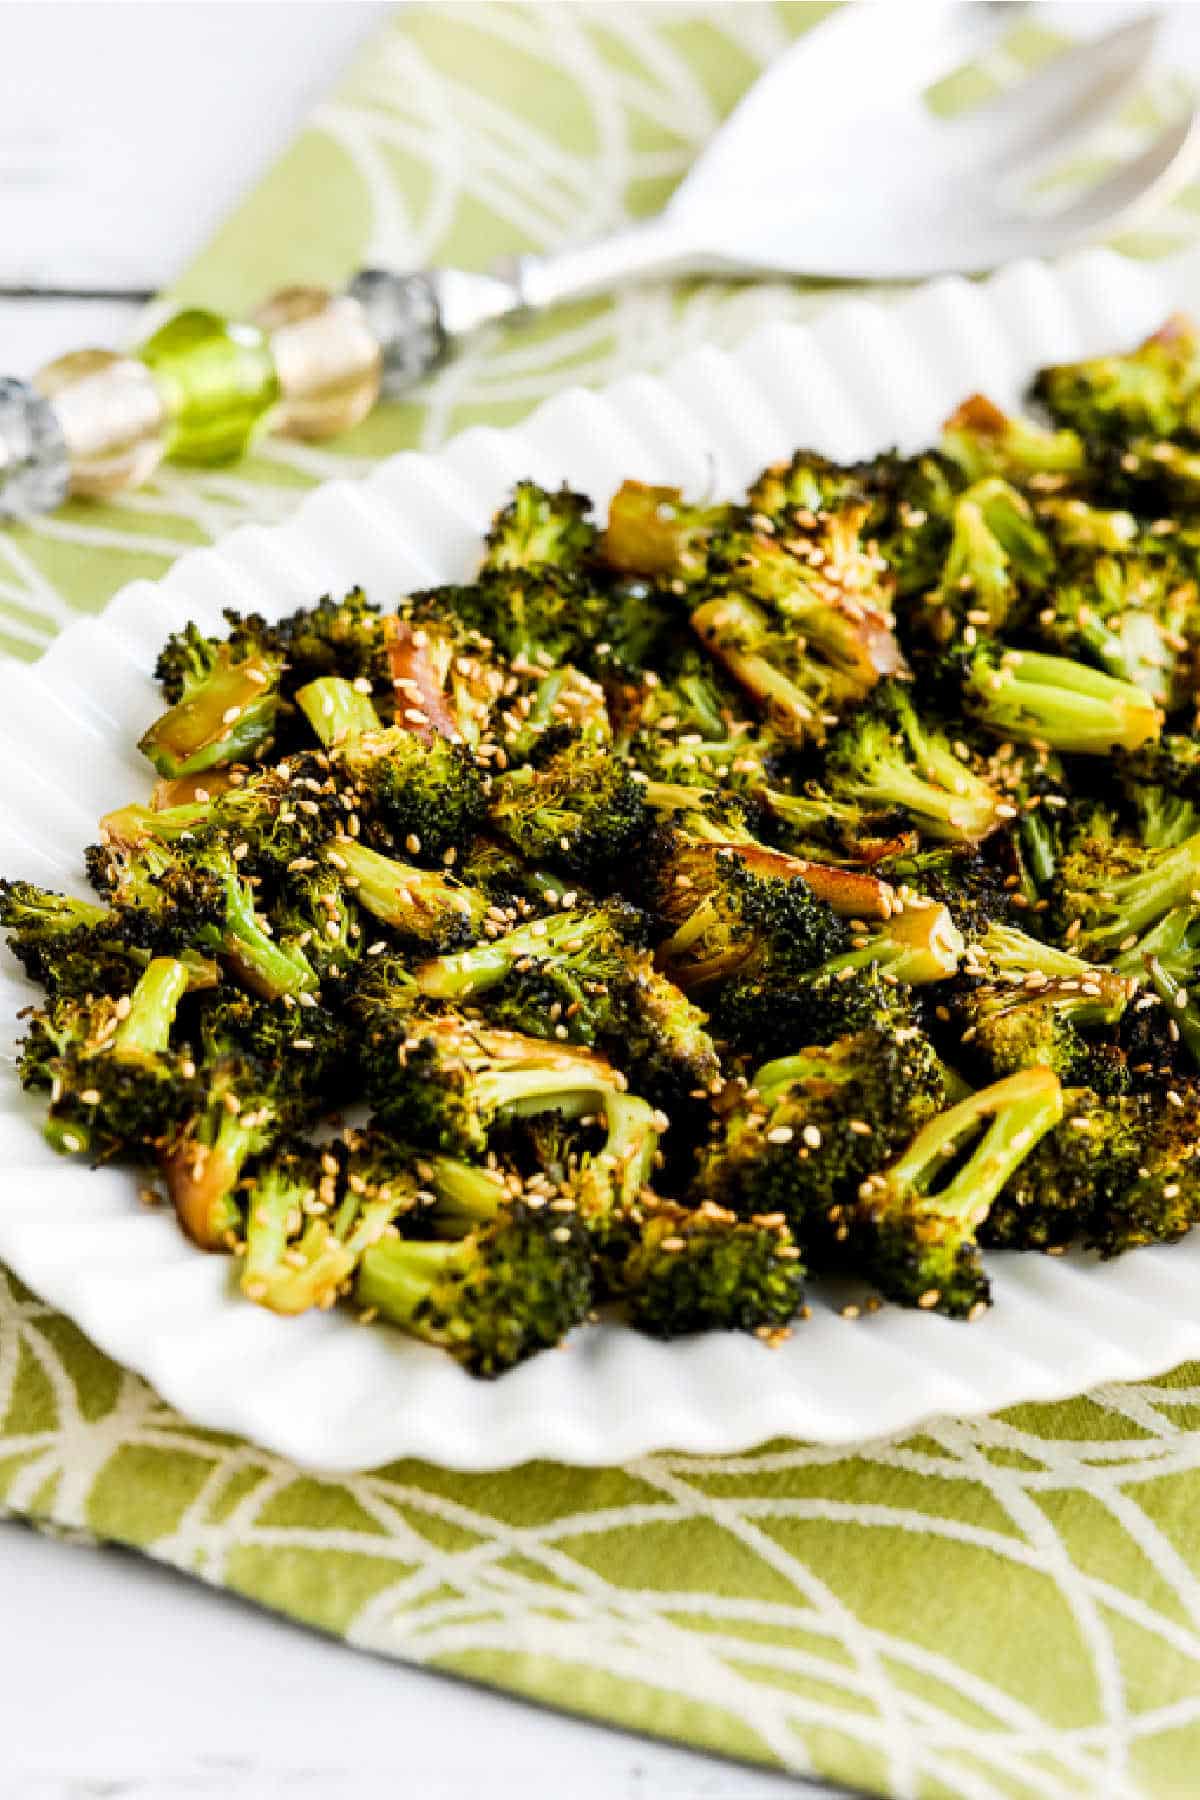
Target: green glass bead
[(218, 381)]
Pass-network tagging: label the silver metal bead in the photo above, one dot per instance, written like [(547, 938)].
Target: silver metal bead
[(403, 315), (35, 469)]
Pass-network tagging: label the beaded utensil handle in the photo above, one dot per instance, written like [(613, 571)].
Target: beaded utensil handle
[(309, 364)]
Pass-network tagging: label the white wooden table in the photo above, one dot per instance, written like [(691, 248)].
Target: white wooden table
[(126, 132)]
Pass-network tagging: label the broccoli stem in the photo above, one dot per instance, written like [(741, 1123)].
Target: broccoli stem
[(1036, 699), (267, 967), (396, 1277), (224, 718), (146, 1028), (336, 710), (1014, 1113), (1037, 851), (136, 824), (1014, 953), (320, 1260), (407, 898), (202, 1177), (1165, 943), (519, 1093), (731, 628), (467, 1195), (918, 945), (461, 973)]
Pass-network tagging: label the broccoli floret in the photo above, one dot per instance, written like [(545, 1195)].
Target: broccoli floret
[(687, 727), (268, 817), (425, 908), (537, 617), (731, 912), (584, 977), (512, 886), (1133, 616), (765, 1015), (1171, 763), (1110, 890), (225, 700), (814, 1124), (312, 1214), (1079, 1172), (1153, 390), (653, 531), (443, 672), (539, 528), (982, 440), (1117, 1172), (1163, 1201), (430, 790), (448, 1082), (308, 1047), (997, 563), (513, 1287), (1035, 699), (789, 493), (582, 810), (913, 509), (1074, 524), (886, 756), (246, 1105), (317, 915), (580, 953), (703, 1269), (976, 884), (915, 1222), (805, 631), (117, 1086), (610, 1183), (344, 637), (77, 949), (1009, 1027), (563, 705), (379, 1003), (193, 894)]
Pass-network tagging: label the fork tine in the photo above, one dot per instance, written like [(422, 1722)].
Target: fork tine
[(1146, 181), (1063, 100)]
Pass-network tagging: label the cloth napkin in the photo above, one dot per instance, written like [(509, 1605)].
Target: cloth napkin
[(997, 1607)]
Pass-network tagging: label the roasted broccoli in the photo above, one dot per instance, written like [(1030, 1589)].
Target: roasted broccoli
[(813, 1125), (312, 1214), (225, 696), (888, 757), (429, 790), (515, 1286), (582, 810), (1153, 390), (118, 1086), (914, 1222), (1048, 700)]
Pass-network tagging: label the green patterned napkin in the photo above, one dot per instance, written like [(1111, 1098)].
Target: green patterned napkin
[(1005, 1607)]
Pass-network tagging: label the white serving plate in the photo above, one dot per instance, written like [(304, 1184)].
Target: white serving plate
[(324, 1391)]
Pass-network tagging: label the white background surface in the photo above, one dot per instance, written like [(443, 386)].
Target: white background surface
[(126, 132)]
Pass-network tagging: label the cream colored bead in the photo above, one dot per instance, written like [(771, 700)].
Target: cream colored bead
[(112, 416), (327, 361)]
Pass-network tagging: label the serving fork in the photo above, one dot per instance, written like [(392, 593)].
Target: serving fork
[(835, 166)]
